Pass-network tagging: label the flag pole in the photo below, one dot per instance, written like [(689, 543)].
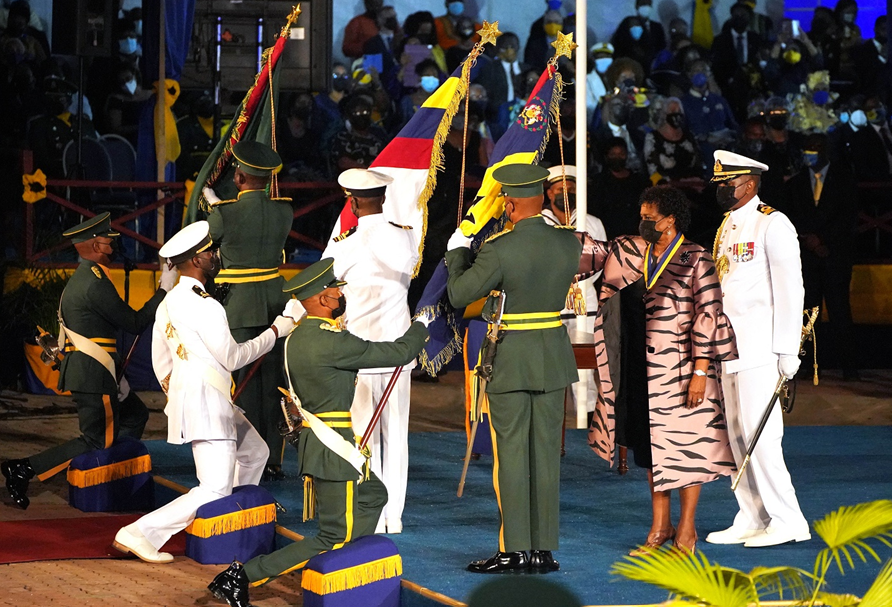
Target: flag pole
[(160, 122)]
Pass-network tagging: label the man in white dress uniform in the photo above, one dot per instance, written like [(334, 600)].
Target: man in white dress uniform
[(555, 214), (193, 354), (757, 257), (377, 259)]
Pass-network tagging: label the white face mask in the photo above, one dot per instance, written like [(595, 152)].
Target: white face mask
[(645, 11), (762, 64), (130, 85), (858, 118), (602, 63), (137, 27)]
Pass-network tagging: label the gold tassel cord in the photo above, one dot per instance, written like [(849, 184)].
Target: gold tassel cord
[(112, 472), (234, 521), (352, 577), (309, 499)]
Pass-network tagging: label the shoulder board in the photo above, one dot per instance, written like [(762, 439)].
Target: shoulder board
[(765, 209), (221, 202), (97, 272), (329, 327), (497, 235), (399, 226), (282, 199), (199, 291), (344, 235)]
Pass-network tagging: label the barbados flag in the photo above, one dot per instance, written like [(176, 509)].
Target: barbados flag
[(523, 142), (413, 159)]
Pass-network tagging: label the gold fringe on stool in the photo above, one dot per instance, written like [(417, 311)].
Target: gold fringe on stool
[(352, 577), (109, 473), (234, 521)]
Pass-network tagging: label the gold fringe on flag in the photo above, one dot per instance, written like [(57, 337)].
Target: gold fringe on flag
[(352, 577), (112, 472), (309, 499), (234, 521)]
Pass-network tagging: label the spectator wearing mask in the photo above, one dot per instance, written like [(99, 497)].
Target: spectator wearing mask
[(824, 34), (616, 189), (509, 110), (464, 28), (538, 33), (420, 28), (812, 109), (538, 49), (298, 140), (500, 75), (447, 25), (846, 12), (327, 107), (196, 133), (385, 43), (128, 46), (18, 28), (708, 114), (782, 146), (368, 85), (871, 149), (796, 57), (360, 29), (615, 113), (872, 62), (670, 151), (753, 145), (601, 57), (735, 47), (123, 106), (429, 80), (824, 208), (638, 37), (552, 154), (359, 142), (478, 102)]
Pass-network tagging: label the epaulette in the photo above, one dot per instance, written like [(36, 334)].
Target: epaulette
[(199, 291), (561, 226), (329, 327), (344, 235), (496, 235), (765, 209), (221, 202), (282, 199), (399, 226), (97, 272)]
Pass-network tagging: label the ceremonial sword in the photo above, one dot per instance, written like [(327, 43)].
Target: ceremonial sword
[(807, 330)]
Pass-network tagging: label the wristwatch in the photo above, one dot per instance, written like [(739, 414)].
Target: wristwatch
[(699, 373)]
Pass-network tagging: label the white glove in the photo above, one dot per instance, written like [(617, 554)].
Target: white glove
[(458, 240), (211, 195), (284, 325), (294, 309), (168, 276), (788, 365), (123, 389), (426, 319)]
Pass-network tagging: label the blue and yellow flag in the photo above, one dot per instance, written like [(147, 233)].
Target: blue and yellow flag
[(523, 142)]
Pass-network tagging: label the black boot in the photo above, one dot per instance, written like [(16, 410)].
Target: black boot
[(541, 561), (18, 472), (272, 472), (232, 586), (500, 562)]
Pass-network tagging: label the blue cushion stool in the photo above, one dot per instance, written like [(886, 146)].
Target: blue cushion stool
[(236, 527), (117, 479), (364, 572)]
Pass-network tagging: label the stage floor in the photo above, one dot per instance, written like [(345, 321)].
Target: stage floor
[(603, 515)]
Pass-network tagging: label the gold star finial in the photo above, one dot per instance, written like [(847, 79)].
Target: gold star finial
[(564, 45), (290, 21), (489, 32)]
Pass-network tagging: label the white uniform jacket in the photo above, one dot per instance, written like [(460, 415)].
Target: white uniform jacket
[(595, 228), (763, 291), (377, 260), (193, 354)]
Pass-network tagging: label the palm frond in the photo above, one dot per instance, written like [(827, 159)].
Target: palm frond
[(837, 600), (880, 592), (846, 531), (690, 577), (770, 581)]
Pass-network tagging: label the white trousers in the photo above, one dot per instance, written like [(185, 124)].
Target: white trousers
[(765, 494), (586, 390), (220, 465), (389, 443)]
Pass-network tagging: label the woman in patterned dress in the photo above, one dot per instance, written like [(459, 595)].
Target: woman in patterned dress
[(682, 436)]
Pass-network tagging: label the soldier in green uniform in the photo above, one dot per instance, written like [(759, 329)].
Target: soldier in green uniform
[(322, 363), (251, 231), (534, 265), (91, 314)]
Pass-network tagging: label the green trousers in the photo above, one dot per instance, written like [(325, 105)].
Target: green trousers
[(102, 419), (526, 447), (346, 510), (260, 398)]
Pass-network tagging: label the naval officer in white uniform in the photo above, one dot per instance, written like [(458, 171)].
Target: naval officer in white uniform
[(756, 254), (377, 259), (193, 354), (555, 214)]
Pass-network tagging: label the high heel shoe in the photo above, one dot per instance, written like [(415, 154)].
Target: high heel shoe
[(654, 541), (685, 550)]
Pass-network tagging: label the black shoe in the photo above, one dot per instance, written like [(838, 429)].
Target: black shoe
[(232, 586), (273, 472), (500, 562), (542, 561), (18, 472)]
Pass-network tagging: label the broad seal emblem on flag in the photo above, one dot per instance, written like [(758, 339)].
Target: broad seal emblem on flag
[(533, 117)]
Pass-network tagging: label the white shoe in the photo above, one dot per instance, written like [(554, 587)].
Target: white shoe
[(774, 536), (733, 535), (394, 526), (130, 539)]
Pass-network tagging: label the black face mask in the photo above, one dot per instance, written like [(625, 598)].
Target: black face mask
[(725, 197), (754, 146), (210, 267), (615, 164), (361, 122), (739, 24), (648, 230), (204, 107), (675, 120), (341, 308), (620, 115), (341, 85), (559, 201), (777, 121)]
